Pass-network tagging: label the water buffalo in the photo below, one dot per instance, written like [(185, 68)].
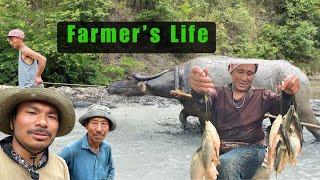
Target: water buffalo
[(270, 73)]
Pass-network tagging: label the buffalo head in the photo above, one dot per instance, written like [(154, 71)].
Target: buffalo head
[(138, 85)]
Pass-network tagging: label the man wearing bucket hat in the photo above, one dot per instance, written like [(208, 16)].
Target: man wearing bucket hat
[(31, 64), (90, 158), (33, 117), (237, 111)]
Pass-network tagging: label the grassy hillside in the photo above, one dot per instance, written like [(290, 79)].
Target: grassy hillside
[(286, 29)]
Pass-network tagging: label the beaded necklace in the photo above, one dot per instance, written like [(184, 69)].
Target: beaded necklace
[(234, 103)]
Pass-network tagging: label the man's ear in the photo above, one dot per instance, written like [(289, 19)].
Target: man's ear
[(86, 125), (11, 122)]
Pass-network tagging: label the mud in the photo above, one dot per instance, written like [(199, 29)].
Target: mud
[(149, 142)]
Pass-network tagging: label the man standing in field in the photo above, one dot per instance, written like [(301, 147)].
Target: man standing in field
[(31, 64)]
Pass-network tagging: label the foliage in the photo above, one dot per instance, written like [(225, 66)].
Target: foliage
[(286, 29), (294, 32), (114, 72), (125, 66), (8, 57), (139, 5), (38, 20), (130, 64)]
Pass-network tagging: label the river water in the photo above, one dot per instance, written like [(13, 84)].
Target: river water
[(149, 143)]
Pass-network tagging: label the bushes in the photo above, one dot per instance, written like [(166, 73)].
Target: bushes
[(286, 29), (125, 66), (38, 19), (293, 33)]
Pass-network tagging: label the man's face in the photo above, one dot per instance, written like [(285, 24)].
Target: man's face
[(35, 125), (14, 41), (98, 129), (242, 76)]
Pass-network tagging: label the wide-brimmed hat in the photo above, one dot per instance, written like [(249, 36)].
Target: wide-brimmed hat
[(16, 33), (98, 111), (11, 97)]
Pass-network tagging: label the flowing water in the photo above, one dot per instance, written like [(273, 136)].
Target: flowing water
[(149, 143)]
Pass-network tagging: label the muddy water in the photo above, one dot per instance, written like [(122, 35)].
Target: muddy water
[(150, 144)]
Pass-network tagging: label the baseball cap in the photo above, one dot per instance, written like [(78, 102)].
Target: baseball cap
[(16, 33)]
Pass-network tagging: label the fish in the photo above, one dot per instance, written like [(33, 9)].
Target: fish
[(207, 148), (285, 140), (197, 170), (272, 152), (275, 129), (215, 137), (274, 138), (210, 148), (295, 138), (284, 151), (297, 127), (281, 158), (287, 118), (296, 146), (206, 158)]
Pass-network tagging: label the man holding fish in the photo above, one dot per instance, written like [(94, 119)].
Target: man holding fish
[(237, 111)]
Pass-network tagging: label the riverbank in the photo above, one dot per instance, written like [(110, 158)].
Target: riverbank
[(149, 142), (85, 96), (315, 87)]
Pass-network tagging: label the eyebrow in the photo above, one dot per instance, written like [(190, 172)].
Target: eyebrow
[(51, 111), (240, 69)]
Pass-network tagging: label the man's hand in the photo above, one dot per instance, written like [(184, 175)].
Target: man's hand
[(200, 81), (38, 81), (291, 84)]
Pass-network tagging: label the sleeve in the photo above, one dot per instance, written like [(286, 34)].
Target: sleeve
[(65, 154), (66, 172), (111, 171), (199, 103)]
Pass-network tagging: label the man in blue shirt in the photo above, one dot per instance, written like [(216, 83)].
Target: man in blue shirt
[(90, 158)]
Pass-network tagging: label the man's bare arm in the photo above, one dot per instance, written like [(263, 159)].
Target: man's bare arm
[(41, 63)]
